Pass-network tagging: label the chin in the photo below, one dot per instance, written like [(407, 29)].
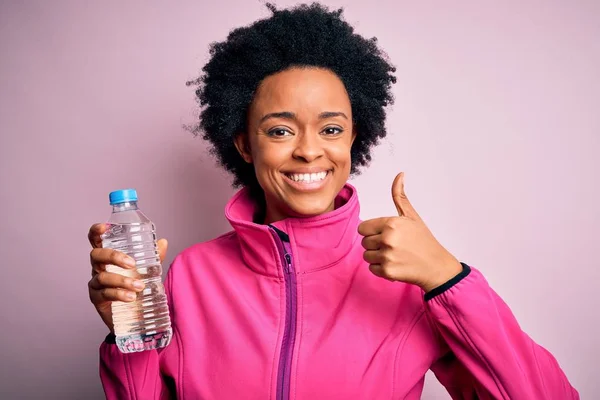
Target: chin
[(311, 208)]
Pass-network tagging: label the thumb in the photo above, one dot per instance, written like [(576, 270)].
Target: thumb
[(162, 248), (400, 200)]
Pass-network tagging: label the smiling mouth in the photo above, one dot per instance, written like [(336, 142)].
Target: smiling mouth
[(314, 177)]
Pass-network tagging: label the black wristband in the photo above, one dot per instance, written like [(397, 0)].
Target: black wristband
[(446, 286), (110, 339)]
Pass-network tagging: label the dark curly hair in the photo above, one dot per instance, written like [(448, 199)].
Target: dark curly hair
[(303, 36)]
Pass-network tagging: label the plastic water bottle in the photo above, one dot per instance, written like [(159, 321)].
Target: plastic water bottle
[(143, 324)]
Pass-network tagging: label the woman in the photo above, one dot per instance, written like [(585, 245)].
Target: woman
[(302, 300)]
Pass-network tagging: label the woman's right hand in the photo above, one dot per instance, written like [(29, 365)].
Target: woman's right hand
[(106, 287)]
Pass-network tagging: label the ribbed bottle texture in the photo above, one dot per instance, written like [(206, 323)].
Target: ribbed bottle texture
[(143, 324)]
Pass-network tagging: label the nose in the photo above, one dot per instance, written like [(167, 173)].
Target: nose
[(308, 147)]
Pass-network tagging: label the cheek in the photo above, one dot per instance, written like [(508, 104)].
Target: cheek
[(341, 155), (267, 160)]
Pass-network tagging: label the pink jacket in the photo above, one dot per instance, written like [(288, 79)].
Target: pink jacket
[(258, 317)]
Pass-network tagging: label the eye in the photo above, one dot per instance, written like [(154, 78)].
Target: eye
[(332, 131), (279, 132)]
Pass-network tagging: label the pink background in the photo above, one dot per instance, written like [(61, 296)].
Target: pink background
[(496, 124)]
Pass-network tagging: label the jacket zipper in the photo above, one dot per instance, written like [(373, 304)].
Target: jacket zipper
[(289, 333)]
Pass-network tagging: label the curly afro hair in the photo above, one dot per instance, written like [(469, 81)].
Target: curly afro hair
[(303, 36)]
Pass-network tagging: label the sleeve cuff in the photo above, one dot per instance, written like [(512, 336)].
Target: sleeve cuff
[(448, 285), (110, 339)]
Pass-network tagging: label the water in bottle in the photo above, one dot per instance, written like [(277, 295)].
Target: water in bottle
[(143, 324)]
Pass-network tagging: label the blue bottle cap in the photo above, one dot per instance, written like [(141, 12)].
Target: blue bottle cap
[(122, 196)]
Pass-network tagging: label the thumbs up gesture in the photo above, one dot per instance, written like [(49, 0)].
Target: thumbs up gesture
[(402, 248)]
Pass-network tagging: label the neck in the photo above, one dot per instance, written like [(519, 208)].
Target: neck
[(273, 214), (130, 205), (322, 239)]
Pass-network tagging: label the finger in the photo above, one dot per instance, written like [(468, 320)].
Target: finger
[(373, 226), (373, 256), (94, 234), (371, 242), (378, 270), (99, 257), (403, 206), (111, 294), (163, 245), (106, 279)]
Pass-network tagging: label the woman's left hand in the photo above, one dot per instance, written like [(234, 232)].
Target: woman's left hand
[(402, 248)]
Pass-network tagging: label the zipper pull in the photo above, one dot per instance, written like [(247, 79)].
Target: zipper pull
[(288, 263)]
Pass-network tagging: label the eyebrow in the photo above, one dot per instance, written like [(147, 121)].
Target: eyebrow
[(331, 114), (283, 114), (291, 115)]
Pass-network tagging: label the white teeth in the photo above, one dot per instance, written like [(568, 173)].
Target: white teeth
[(308, 178)]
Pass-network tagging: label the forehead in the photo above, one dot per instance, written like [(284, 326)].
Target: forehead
[(301, 90)]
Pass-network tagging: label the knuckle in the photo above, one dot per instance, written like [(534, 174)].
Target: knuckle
[(105, 293), (125, 282), (387, 239), (386, 271), (391, 224), (96, 256), (385, 255), (102, 277), (115, 257)]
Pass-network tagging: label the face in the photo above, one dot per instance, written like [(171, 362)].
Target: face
[(299, 139)]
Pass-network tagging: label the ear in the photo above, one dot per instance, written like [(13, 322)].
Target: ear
[(242, 145)]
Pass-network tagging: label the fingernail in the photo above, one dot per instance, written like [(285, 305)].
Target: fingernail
[(130, 262), (138, 284), (131, 296)]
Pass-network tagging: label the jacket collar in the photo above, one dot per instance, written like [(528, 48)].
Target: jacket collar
[(317, 242)]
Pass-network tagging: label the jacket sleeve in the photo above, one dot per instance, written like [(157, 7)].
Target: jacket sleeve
[(139, 375), (489, 356)]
